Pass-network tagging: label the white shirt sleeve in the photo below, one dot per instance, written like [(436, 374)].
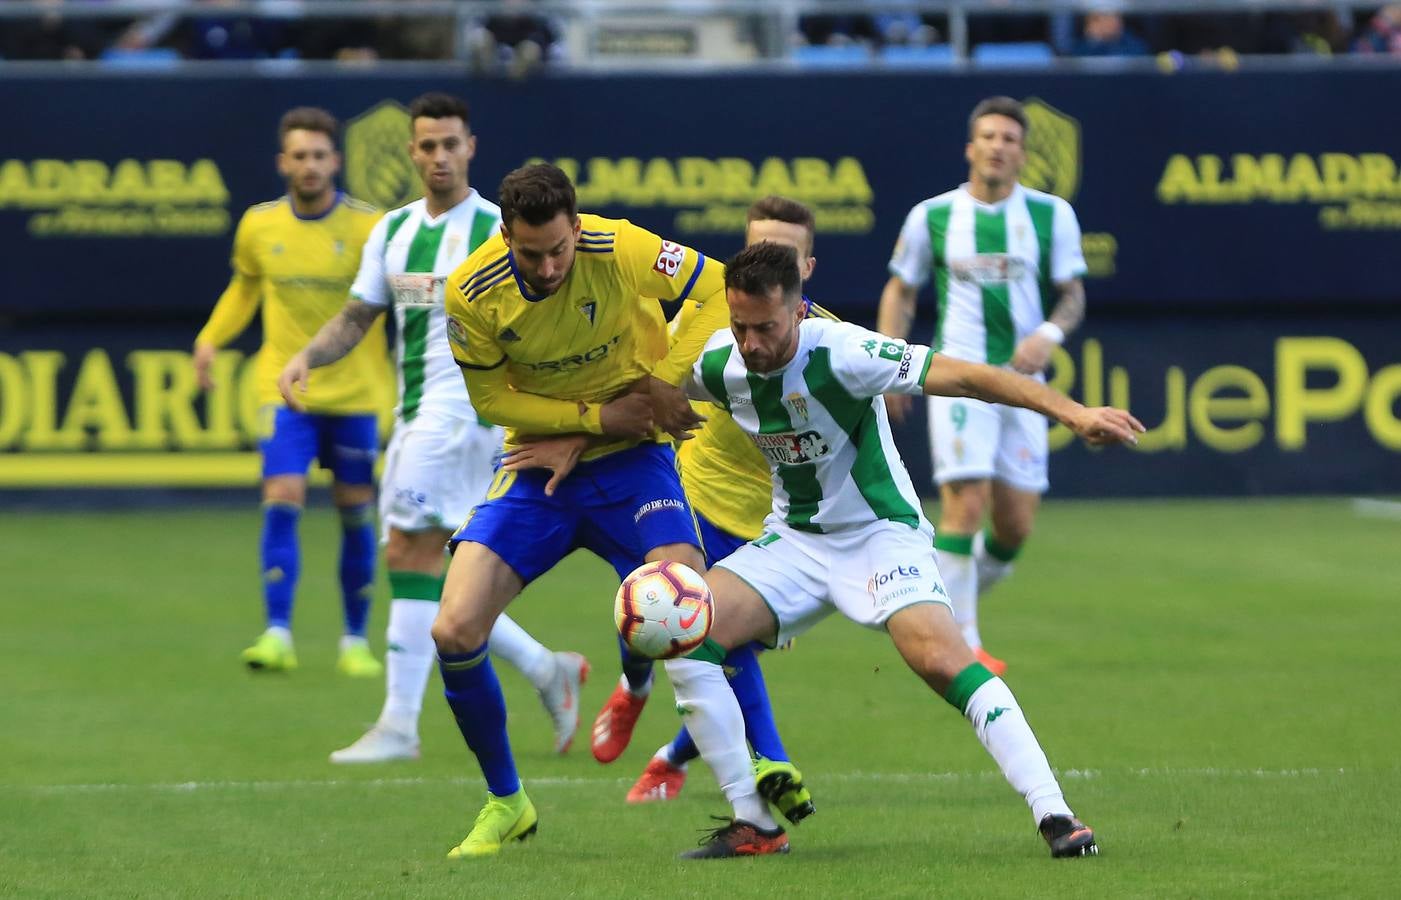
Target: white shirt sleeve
[(869, 364), (911, 259), (1067, 255), (369, 284)]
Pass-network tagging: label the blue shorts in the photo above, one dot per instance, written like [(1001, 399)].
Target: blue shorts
[(347, 445), (719, 543), (618, 507)]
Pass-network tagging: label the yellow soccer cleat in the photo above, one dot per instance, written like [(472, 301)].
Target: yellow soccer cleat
[(357, 661), (271, 653), (509, 818), (781, 784)]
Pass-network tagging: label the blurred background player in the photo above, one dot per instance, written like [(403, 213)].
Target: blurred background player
[(728, 483), (846, 532), (1007, 269), (297, 256), (551, 326), (440, 457)]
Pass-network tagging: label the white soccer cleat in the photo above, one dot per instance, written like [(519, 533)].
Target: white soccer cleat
[(561, 696), (379, 744)]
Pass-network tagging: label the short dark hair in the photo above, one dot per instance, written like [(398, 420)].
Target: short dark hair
[(782, 209), (437, 105), (998, 106), (537, 194), (761, 267), (307, 118)]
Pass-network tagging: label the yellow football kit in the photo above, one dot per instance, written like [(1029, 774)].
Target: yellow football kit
[(545, 364), (301, 271)]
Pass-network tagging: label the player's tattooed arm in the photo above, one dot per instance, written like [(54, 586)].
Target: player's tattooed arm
[(340, 335), (1034, 351), (335, 339)]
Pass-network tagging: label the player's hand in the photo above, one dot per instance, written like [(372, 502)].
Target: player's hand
[(672, 411), (629, 416), (559, 454), (204, 360), (898, 406), (293, 381), (1104, 425), (1033, 354)]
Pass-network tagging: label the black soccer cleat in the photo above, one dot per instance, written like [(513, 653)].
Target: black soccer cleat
[(1068, 837), (738, 838)]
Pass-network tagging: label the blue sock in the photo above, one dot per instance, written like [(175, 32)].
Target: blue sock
[(357, 566), (474, 694), (747, 681), (282, 560), (682, 749), (636, 669)]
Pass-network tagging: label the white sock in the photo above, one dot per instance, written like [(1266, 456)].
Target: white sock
[(961, 581), (512, 643), (284, 633), (408, 659), (712, 715), (664, 754), (644, 691), (1003, 730)]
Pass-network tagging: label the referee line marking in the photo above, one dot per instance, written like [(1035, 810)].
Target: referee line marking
[(190, 787), (1376, 509)]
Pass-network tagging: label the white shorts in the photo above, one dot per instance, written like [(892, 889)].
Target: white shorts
[(868, 573), (971, 439), (436, 469)]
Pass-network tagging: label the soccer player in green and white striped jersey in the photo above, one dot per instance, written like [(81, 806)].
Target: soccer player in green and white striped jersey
[(440, 459), (1006, 265), (846, 533)]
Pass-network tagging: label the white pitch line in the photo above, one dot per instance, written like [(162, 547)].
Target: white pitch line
[(188, 787), (1376, 509)]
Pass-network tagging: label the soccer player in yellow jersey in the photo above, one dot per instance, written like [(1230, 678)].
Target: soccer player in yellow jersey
[(296, 257), (548, 325), (728, 483)]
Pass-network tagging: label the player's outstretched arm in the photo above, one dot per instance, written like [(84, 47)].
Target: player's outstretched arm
[(895, 318), (335, 339), (951, 377)]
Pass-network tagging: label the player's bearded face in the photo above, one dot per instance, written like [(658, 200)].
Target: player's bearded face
[(309, 162), (765, 328), (996, 153), (543, 254), (441, 150)]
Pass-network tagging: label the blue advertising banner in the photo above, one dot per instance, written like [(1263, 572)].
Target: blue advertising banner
[(1302, 404), (1197, 188)]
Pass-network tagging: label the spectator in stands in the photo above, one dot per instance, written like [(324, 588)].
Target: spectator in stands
[(51, 36), (518, 42), (838, 30), (1382, 34), (1104, 34), (211, 35)]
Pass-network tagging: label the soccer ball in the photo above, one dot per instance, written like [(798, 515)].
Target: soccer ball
[(663, 610)]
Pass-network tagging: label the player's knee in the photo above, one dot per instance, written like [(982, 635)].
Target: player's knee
[(288, 489), (452, 634), (351, 495)]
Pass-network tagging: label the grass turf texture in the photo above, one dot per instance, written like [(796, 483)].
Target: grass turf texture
[(1212, 680)]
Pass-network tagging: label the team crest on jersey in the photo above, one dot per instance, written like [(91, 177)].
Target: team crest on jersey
[(670, 259), (276, 249), (338, 247), (457, 332), (587, 308), (799, 403)]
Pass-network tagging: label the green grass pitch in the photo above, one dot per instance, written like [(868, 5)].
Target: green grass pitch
[(1214, 681)]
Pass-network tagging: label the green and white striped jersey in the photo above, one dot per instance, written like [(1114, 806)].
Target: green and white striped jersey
[(820, 422), (406, 261), (994, 266)]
